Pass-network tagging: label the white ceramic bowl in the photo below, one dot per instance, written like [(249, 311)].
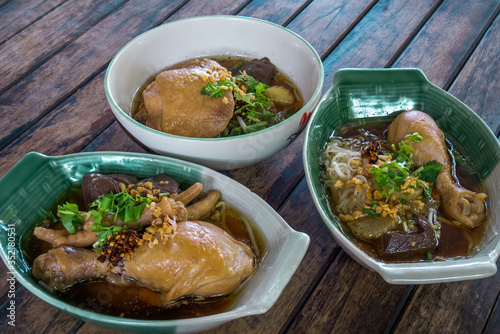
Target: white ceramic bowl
[(43, 181), (364, 95), (178, 41)]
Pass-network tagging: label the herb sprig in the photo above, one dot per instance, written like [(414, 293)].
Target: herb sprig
[(122, 205), (253, 107), (392, 175), (70, 216)]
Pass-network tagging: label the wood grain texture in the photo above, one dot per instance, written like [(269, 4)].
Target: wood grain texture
[(449, 38), (59, 87), (199, 8), (16, 15), (30, 307), (379, 36), (70, 127), (43, 38), (325, 23), (321, 249), (279, 11), (77, 63), (476, 85), (350, 299), (461, 307)]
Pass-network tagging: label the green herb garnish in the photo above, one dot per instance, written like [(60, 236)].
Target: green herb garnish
[(217, 90), (121, 205), (392, 175), (104, 232), (371, 212), (430, 171), (252, 106), (70, 216)]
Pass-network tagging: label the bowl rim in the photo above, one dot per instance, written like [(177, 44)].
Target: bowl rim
[(484, 264), (262, 306), (116, 109)]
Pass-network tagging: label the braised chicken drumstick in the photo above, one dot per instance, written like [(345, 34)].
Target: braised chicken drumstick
[(466, 208)]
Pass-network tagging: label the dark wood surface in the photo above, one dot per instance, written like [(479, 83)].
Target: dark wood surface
[(53, 58)]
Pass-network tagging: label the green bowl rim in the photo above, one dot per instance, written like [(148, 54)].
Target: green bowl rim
[(379, 266), (244, 310)]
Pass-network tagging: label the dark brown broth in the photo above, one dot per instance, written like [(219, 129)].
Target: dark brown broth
[(454, 242), (228, 62), (135, 301)]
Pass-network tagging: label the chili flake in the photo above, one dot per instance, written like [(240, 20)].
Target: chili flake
[(372, 152), (118, 246)]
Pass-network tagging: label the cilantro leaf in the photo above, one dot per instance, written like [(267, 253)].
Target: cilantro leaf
[(256, 127), (70, 216), (430, 171), (121, 205), (253, 106), (104, 232)]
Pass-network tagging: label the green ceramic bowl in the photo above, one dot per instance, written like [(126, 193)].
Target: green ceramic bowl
[(37, 182), (368, 95)]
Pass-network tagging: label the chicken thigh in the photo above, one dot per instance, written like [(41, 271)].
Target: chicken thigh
[(199, 260), (466, 208), (173, 103)]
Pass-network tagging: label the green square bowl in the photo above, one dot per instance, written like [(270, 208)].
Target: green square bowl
[(37, 182), (369, 95)]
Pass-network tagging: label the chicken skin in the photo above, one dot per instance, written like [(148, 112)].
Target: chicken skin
[(199, 260), (466, 208), (173, 103)]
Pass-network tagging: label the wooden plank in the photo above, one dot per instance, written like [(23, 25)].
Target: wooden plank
[(123, 25), (477, 85), (325, 23), (460, 307), (368, 44), (449, 45), (494, 320), (201, 8), (79, 62), (321, 250), (474, 89), (348, 293), (279, 11), (44, 37), (347, 317), (16, 15), (67, 127)]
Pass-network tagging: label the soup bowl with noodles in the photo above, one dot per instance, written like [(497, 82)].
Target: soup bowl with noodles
[(190, 113), (393, 167), (46, 181)]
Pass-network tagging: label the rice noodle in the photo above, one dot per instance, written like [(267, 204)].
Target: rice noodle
[(341, 163), (469, 240), (251, 235), (242, 123)]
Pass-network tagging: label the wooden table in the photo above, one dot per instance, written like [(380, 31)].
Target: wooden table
[(53, 57)]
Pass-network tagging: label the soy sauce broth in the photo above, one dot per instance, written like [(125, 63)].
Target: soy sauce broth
[(138, 302), (228, 62), (454, 242)]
